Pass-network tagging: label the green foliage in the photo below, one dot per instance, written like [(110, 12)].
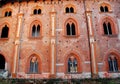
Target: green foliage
[(61, 81)]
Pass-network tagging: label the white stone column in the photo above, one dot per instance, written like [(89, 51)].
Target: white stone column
[(53, 42), (17, 42), (92, 43), (119, 29), (6, 66)]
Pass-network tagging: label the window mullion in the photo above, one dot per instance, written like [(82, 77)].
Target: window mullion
[(113, 65), (108, 30), (71, 30), (35, 31)]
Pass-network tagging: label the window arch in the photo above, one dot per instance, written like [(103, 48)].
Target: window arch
[(71, 28), (113, 63), (7, 12), (37, 10), (36, 29), (104, 7), (4, 32), (108, 27), (70, 8)]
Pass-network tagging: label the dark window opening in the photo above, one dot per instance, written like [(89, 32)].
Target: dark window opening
[(38, 30), (2, 62), (109, 28), (6, 13), (72, 65), (35, 11), (105, 28), (67, 10), (68, 29), (5, 32), (101, 9), (113, 64), (33, 30), (106, 9), (39, 11), (73, 29), (10, 13), (33, 65), (71, 10)]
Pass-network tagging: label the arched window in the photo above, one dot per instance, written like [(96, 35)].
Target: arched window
[(70, 29), (7, 14), (69, 10), (107, 28), (2, 62), (36, 30), (113, 64), (37, 11), (105, 7), (33, 65), (10, 13), (4, 33), (102, 9), (72, 65)]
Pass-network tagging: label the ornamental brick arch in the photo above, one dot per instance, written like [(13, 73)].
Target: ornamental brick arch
[(36, 7), (108, 19), (38, 60), (69, 6), (70, 21), (35, 22), (79, 62), (103, 4), (6, 10), (114, 53)]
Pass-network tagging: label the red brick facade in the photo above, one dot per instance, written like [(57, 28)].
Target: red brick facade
[(52, 47)]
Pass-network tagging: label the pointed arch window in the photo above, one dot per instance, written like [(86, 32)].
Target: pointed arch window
[(8, 13), (36, 11), (4, 33), (69, 10), (107, 28), (33, 65), (113, 64), (72, 65), (70, 28), (105, 7), (36, 30)]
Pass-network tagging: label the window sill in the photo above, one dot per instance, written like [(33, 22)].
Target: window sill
[(73, 72), (4, 39), (36, 14), (70, 13), (115, 35), (35, 38), (105, 12), (71, 36), (33, 73)]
